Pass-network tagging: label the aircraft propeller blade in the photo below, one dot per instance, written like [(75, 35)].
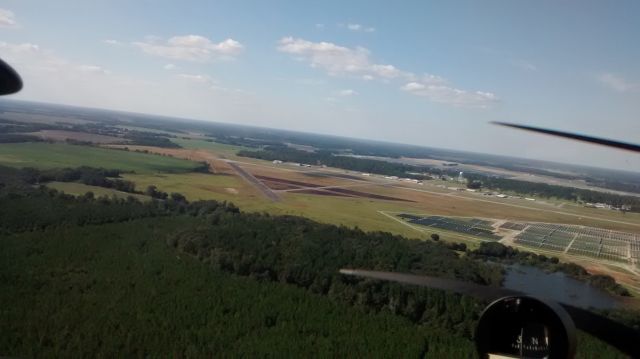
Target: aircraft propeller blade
[(573, 136), (471, 289), (615, 334)]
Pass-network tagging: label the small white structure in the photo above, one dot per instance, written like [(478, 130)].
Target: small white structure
[(277, 162)]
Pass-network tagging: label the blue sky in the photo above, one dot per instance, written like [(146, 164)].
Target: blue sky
[(431, 73)]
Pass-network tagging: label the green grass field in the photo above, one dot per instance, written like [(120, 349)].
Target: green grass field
[(197, 186), (53, 155), (352, 212), (215, 147), (78, 189)]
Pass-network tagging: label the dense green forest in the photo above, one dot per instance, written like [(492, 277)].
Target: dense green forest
[(117, 290), (85, 276)]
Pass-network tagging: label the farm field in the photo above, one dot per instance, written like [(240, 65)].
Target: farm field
[(78, 189), (57, 155)]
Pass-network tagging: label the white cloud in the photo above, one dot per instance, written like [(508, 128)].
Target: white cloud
[(339, 60), (320, 26), (191, 48), (7, 18), (19, 48), (28, 56), (31, 60), (439, 91), (206, 81), (169, 67), (617, 83), (360, 28), (347, 92), (93, 69), (53, 78), (197, 78), (112, 42)]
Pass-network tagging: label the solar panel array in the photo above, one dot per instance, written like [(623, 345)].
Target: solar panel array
[(579, 240), (471, 226), (513, 225), (571, 239)]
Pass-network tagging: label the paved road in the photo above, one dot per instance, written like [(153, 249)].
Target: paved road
[(254, 181)]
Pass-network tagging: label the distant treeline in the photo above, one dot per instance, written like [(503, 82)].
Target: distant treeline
[(150, 139), (617, 186), (13, 131), (555, 191), (135, 137), (244, 142), (18, 137), (327, 158), (8, 126)]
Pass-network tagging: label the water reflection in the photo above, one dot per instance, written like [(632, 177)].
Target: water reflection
[(557, 286)]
